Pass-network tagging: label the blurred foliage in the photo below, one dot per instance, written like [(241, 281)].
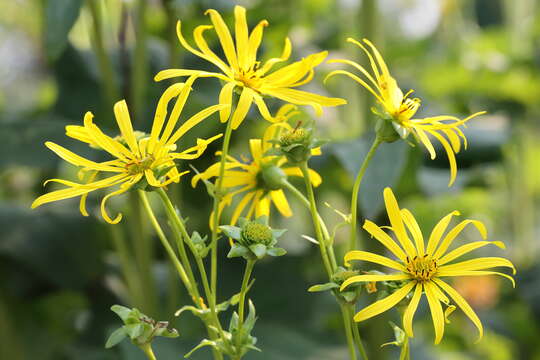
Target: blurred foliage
[(61, 272)]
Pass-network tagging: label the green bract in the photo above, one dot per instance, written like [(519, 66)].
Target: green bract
[(254, 239)]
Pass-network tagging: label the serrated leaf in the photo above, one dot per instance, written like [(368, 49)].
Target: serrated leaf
[(117, 336), (323, 287)]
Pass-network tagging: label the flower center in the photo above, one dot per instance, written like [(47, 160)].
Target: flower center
[(255, 233), (408, 108), (422, 268), (138, 166), (249, 78)]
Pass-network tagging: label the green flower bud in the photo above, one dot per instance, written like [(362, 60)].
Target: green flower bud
[(386, 131), (256, 233), (296, 145), (271, 177)]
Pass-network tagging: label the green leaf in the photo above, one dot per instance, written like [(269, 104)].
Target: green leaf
[(258, 249), (238, 250), (134, 330), (60, 16), (323, 287), (276, 251), (117, 336), (203, 343), (122, 311), (231, 231), (278, 232), (384, 170)]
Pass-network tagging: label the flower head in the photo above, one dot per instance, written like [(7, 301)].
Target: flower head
[(399, 108), (258, 180), (242, 70), (420, 268), (136, 157)]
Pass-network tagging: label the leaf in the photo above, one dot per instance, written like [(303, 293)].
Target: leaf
[(60, 16), (122, 311), (323, 287), (384, 170), (117, 336), (203, 343), (238, 250), (134, 330)]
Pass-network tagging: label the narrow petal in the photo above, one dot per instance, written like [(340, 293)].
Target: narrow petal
[(384, 239), (224, 36), (438, 231), (194, 120), (262, 207), (452, 234), (121, 113), (255, 147), (425, 140), (436, 311), (208, 54), (255, 41), (464, 249), (455, 273), (287, 48), (105, 142), (372, 278), (411, 309), (225, 98), (481, 263), (463, 305), (394, 214), (241, 206), (382, 305), (263, 109), (450, 154), (279, 199), (242, 108), (413, 227), (373, 258), (241, 34), (161, 112), (123, 188), (77, 160), (358, 80)]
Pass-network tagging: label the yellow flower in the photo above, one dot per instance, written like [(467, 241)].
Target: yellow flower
[(421, 268), (135, 156), (242, 69), (258, 180), (401, 108)]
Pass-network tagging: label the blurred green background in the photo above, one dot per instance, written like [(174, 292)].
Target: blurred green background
[(61, 272)]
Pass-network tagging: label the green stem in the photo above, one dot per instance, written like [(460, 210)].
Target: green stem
[(215, 214), (161, 235), (356, 333), (105, 66), (243, 290), (139, 76), (348, 331), (356, 189), (315, 217), (405, 350), (147, 349)]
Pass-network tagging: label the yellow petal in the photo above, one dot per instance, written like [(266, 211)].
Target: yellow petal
[(452, 234), (284, 56), (225, 98), (263, 109), (411, 309), (436, 311), (242, 108), (425, 140), (207, 54), (414, 229), (450, 154), (481, 263), (194, 120), (373, 258), (281, 202), (241, 206), (241, 34), (224, 37), (161, 112), (262, 207), (358, 80), (255, 147), (464, 249), (379, 58), (384, 304), (394, 214), (463, 305), (170, 73), (105, 142), (438, 231), (123, 188), (255, 41), (371, 278), (455, 273), (384, 239), (121, 114), (77, 160)]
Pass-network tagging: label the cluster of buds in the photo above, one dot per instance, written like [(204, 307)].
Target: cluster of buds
[(253, 239)]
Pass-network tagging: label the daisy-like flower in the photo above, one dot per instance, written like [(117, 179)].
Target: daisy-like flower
[(258, 181), (400, 108), (420, 268), (242, 70), (136, 157)]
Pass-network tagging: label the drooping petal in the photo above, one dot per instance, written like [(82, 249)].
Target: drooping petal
[(411, 309), (382, 305), (170, 73), (225, 98), (194, 120), (242, 108), (436, 311), (463, 305), (241, 206), (481, 263), (262, 207), (394, 214), (77, 160), (279, 199), (358, 80), (373, 258), (161, 113), (450, 154)]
